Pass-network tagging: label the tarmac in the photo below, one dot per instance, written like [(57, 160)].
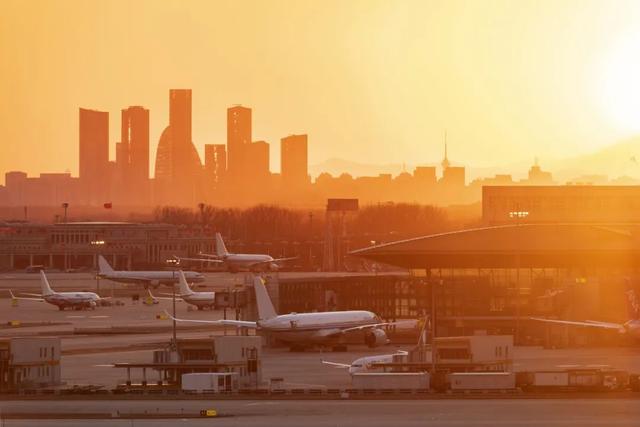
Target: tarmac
[(87, 356), (441, 413)]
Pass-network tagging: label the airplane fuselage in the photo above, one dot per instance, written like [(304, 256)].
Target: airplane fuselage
[(316, 328), (244, 262), (200, 299), (72, 299)]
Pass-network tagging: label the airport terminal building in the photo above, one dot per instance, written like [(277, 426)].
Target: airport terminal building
[(73, 245), (491, 279)]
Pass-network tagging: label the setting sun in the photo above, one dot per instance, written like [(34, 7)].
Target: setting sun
[(619, 85)]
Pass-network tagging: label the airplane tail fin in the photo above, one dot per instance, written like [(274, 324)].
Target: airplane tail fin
[(265, 306), (103, 265), (221, 249), (44, 285), (184, 286), (633, 305)]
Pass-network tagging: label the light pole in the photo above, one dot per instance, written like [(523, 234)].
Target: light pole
[(97, 244), (173, 262)]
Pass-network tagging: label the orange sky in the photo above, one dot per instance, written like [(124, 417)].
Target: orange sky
[(371, 81)]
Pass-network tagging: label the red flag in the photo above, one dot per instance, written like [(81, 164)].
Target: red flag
[(108, 205)]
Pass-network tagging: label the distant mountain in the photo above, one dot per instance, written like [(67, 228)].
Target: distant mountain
[(618, 160), (620, 163)]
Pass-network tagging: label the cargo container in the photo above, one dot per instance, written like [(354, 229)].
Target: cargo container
[(390, 380), (482, 381), (210, 381), (550, 379)]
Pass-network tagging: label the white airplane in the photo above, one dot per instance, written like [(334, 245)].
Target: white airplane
[(630, 327), (300, 330), (200, 299), (365, 364), (238, 262), (153, 278), (77, 300)]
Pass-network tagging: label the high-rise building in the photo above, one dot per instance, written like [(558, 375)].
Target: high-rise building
[(215, 163), (132, 157), (238, 138), (258, 160), (135, 137), (293, 160), (94, 154), (180, 169)]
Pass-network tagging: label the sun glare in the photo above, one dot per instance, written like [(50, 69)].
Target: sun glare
[(619, 88)]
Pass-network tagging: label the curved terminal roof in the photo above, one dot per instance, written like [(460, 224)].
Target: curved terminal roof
[(524, 245)]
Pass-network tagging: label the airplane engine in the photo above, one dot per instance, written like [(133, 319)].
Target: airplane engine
[(92, 304), (375, 338), (274, 267), (155, 283)]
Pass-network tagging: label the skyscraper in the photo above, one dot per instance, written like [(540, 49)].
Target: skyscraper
[(215, 163), (94, 154), (258, 160), (132, 156), (293, 160), (184, 166), (135, 138), (238, 138)]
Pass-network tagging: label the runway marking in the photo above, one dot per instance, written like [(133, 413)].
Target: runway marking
[(75, 317), (99, 317), (106, 365)]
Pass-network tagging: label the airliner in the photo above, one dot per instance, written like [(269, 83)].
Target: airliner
[(62, 300), (630, 327), (200, 299), (365, 364), (152, 278), (239, 262), (302, 330)]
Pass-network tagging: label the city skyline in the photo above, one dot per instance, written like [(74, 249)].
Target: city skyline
[(365, 77)]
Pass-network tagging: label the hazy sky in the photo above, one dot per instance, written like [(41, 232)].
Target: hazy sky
[(371, 81)]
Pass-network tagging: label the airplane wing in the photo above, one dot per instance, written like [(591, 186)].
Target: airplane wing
[(163, 298), (25, 298), (373, 326), (276, 260), (335, 364), (285, 259), (587, 323), (237, 323)]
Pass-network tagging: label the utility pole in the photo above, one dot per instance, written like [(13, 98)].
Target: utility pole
[(65, 206)]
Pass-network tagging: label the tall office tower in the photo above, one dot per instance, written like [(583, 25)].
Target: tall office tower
[(293, 160), (258, 160), (186, 168), (94, 155), (135, 137), (215, 163), (238, 138), (132, 156)]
